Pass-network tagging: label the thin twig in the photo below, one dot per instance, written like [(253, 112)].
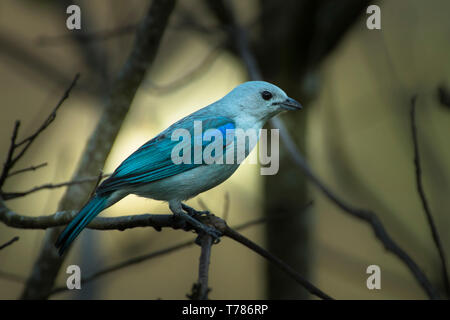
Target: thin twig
[(31, 168), (423, 198), (7, 165), (13, 195), (11, 160), (10, 242), (97, 183), (27, 141)]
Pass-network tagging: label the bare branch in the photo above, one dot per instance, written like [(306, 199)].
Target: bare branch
[(13, 195), (97, 222), (202, 290), (27, 141), (423, 198), (10, 242), (12, 219), (61, 218), (31, 168), (11, 160), (8, 163)]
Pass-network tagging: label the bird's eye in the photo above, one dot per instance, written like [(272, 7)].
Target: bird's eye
[(266, 95)]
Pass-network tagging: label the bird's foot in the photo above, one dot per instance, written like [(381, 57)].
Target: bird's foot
[(199, 227), (214, 233), (194, 213)]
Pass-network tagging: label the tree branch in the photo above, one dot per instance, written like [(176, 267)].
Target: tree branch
[(62, 218), (423, 198), (201, 289), (13, 195), (217, 223), (10, 242), (7, 165), (30, 168)]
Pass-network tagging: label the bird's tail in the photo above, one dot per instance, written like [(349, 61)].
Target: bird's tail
[(81, 220)]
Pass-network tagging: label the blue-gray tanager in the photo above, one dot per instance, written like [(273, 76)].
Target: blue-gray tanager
[(151, 171)]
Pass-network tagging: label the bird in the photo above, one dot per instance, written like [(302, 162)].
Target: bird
[(151, 171)]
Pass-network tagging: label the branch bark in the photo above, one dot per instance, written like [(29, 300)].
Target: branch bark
[(143, 53), (202, 288)]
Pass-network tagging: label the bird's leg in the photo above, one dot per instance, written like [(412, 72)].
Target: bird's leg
[(194, 213), (177, 208)]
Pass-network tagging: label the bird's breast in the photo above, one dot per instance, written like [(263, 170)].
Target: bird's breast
[(187, 184)]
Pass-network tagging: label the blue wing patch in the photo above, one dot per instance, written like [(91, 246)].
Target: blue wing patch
[(152, 161)]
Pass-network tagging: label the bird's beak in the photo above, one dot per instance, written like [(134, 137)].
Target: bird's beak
[(291, 104)]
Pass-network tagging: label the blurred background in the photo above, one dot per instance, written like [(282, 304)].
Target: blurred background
[(356, 85)]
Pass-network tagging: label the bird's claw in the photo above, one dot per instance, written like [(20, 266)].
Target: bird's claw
[(213, 232), (187, 222), (194, 213)]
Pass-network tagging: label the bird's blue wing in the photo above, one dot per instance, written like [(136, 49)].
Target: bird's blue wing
[(152, 161)]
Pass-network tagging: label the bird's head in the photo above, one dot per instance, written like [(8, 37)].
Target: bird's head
[(259, 99)]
